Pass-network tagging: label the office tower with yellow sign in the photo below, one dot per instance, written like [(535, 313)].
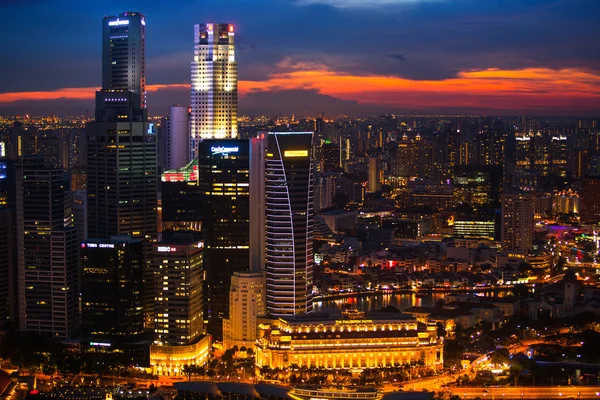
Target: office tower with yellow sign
[(290, 215), (214, 85)]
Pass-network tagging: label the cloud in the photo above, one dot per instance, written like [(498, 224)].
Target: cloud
[(399, 57), (310, 87), (363, 3)]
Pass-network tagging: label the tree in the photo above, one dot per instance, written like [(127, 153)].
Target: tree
[(187, 370), (500, 356)]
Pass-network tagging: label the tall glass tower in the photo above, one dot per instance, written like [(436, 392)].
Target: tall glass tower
[(290, 216), (121, 145), (214, 85), (123, 54)]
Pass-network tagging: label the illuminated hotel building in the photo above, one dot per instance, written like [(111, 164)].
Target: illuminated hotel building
[(290, 217), (121, 143), (111, 293), (214, 84), (178, 327), (348, 341), (517, 222)]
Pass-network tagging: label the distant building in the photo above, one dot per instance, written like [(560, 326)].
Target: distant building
[(374, 175), (590, 200), (340, 220), (247, 302), (517, 222)]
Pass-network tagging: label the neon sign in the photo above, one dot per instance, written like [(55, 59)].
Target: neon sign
[(224, 150), (295, 153), (119, 22), (166, 249)]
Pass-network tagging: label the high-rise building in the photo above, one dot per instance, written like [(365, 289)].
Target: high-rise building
[(175, 141), (258, 154), (80, 214), (224, 186), (124, 54), (214, 85), (179, 335), (246, 303), (111, 292), (330, 157), (121, 144), (177, 264), (7, 266), (290, 217), (47, 252), (590, 203), (517, 222), (374, 175)]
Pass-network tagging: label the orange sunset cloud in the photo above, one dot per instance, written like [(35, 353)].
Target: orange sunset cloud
[(491, 88)]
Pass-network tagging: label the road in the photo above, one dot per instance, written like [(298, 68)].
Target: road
[(538, 392)]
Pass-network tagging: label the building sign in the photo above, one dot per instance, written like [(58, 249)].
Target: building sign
[(100, 344), (295, 153), (353, 321), (224, 150), (166, 249), (98, 245), (118, 22)]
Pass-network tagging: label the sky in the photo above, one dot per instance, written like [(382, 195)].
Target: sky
[(357, 57)]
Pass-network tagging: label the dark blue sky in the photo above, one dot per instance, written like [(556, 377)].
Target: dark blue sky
[(53, 45)]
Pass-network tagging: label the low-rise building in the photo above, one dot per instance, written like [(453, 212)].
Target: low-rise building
[(348, 340)]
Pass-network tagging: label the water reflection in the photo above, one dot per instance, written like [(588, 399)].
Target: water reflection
[(376, 302)]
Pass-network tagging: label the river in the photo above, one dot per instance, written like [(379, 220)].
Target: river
[(378, 301)]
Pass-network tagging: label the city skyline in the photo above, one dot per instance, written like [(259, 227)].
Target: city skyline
[(319, 56)]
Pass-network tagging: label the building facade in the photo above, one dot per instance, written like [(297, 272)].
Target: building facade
[(290, 218), (517, 222), (247, 302), (124, 54), (590, 203), (214, 84), (112, 291), (47, 252), (352, 341), (175, 141), (178, 330)]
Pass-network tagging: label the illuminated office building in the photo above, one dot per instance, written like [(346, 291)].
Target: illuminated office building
[(290, 217), (474, 228), (214, 85), (330, 156), (224, 187), (180, 193), (111, 292), (47, 252), (121, 143), (517, 222), (348, 341), (246, 303), (123, 54), (179, 335)]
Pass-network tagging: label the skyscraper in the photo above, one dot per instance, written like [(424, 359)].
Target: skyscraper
[(517, 222), (224, 187), (121, 143), (111, 292), (175, 143), (124, 54), (47, 252), (289, 188), (374, 175), (214, 84)]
